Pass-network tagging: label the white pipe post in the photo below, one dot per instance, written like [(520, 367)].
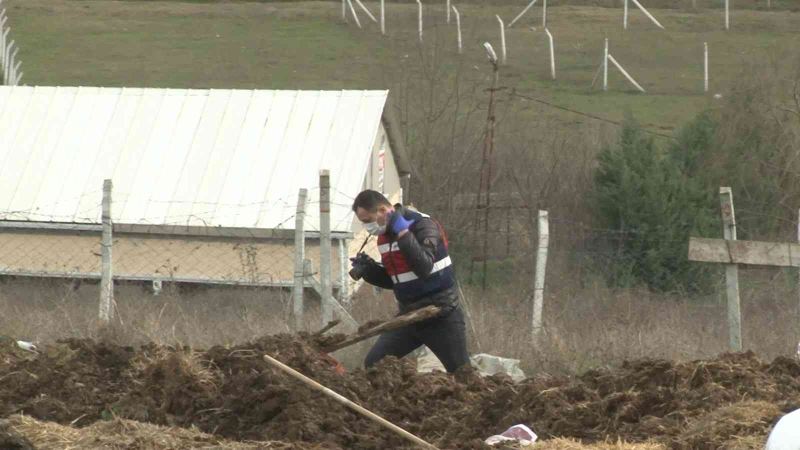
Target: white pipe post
[(458, 27), (705, 66), (106, 274), (3, 48), (12, 57), (627, 75), (448, 11), (727, 15), (361, 5), (798, 277), (419, 18), (541, 269), (383, 17), (502, 40), (625, 15), (530, 5), (544, 14), (7, 61), (298, 288), (19, 77), (14, 76), (647, 13), (353, 11), (4, 41), (344, 10), (731, 272), (605, 67), (552, 54)]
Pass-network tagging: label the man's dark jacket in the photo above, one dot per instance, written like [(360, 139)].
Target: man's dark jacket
[(416, 266)]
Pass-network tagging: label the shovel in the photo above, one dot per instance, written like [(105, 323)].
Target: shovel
[(418, 315)]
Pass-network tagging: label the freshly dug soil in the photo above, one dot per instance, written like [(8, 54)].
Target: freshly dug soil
[(232, 395)]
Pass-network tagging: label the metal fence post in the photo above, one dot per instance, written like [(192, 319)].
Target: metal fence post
[(731, 271), (383, 17), (106, 277), (727, 15), (541, 269), (299, 257), (325, 245), (705, 66), (605, 66), (419, 19)]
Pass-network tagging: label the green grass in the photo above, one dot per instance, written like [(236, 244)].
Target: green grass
[(185, 45), (305, 45)]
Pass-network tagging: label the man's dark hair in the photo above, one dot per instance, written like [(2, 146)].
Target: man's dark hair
[(370, 200)]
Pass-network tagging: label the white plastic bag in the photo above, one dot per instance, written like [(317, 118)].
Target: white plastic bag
[(491, 365), (518, 433), (29, 346), (484, 363)]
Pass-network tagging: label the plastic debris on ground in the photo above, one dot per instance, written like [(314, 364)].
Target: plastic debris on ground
[(520, 434)]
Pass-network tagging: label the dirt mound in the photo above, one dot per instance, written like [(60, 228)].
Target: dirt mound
[(233, 394), (69, 381), (653, 399)]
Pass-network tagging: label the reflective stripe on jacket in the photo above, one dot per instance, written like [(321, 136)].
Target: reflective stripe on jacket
[(409, 272)]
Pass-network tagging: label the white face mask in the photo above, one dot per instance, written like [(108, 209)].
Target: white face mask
[(374, 229)]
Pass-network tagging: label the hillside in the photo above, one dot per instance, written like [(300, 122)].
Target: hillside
[(306, 45)]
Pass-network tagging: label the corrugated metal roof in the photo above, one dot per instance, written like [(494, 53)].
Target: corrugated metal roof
[(230, 158)]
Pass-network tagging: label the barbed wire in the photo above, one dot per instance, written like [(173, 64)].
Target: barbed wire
[(80, 214)]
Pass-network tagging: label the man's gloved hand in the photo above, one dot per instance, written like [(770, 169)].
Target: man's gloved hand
[(361, 259), (398, 223), (360, 264)]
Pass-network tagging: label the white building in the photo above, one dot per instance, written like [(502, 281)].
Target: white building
[(205, 182)]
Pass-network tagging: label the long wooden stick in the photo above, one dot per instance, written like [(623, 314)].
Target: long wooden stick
[(354, 406), (398, 322)]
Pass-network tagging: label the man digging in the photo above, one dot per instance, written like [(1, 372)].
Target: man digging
[(416, 266)]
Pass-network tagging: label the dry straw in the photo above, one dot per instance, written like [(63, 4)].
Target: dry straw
[(119, 434)]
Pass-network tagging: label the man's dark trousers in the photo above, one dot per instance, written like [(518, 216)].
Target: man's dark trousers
[(445, 335)]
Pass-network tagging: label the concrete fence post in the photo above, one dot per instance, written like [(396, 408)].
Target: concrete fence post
[(325, 245), (298, 288), (106, 274)]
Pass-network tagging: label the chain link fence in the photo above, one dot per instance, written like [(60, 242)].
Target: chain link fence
[(215, 287), (159, 253)]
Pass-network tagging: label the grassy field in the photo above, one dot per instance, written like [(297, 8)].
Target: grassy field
[(305, 45)]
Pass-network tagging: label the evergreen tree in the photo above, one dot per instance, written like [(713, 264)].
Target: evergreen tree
[(655, 204)]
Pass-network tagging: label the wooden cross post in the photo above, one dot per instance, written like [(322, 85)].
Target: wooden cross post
[(732, 252), (731, 271)]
